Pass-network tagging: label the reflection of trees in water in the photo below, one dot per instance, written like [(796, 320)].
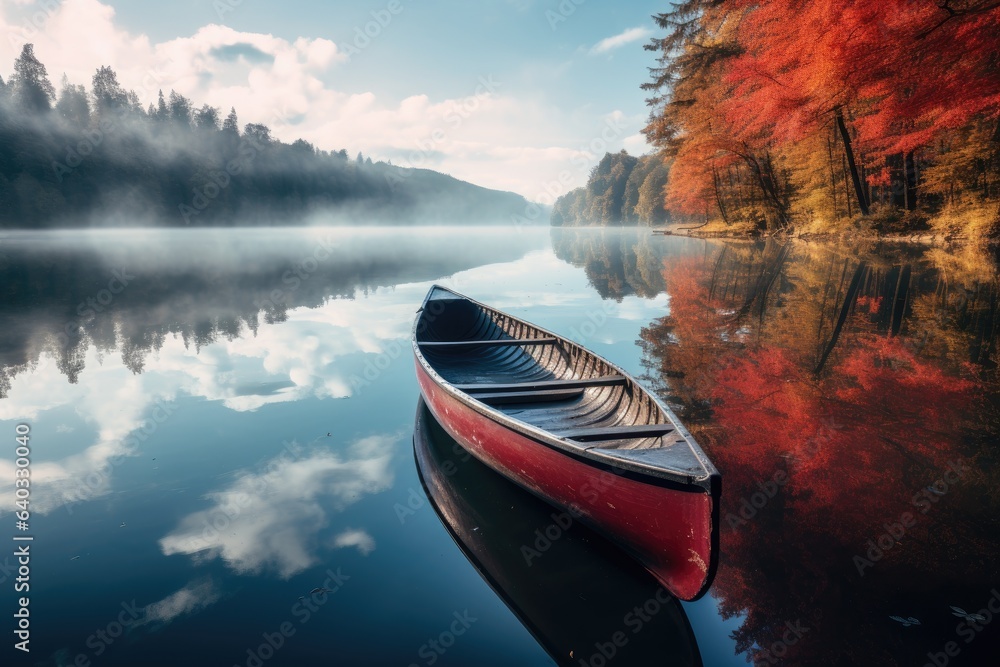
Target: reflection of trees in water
[(619, 262), (861, 377), (50, 291)]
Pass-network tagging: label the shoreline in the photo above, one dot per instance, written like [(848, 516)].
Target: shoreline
[(924, 237)]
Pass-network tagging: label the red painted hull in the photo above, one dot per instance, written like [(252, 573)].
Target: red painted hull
[(668, 528)]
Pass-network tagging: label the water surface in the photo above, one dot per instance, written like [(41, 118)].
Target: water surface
[(222, 423)]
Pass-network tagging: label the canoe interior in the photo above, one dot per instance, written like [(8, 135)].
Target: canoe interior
[(544, 384)]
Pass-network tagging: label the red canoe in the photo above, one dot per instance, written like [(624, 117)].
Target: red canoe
[(573, 429)]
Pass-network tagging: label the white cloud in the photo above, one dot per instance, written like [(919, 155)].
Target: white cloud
[(269, 519), (193, 597), (621, 39), (488, 135), (360, 539)]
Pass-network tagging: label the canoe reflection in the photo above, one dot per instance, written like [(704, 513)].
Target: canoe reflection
[(584, 600)]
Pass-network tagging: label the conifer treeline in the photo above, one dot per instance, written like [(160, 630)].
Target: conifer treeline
[(79, 157)]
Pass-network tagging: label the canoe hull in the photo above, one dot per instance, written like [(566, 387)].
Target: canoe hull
[(667, 527)]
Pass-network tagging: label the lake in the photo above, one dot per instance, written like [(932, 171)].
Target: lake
[(223, 467)]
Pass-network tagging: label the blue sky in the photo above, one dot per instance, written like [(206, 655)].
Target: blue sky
[(513, 94)]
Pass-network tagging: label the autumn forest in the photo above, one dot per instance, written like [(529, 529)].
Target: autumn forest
[(813, 116)]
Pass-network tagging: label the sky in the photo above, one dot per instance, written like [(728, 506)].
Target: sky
[(520, 95)]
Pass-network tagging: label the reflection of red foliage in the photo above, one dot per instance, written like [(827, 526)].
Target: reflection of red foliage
[(856, 443), (872, 304), (879, 413)]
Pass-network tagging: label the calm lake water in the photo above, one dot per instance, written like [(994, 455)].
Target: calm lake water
[(222, 422)]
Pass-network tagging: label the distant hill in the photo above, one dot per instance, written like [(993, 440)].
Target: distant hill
[(98, 158)]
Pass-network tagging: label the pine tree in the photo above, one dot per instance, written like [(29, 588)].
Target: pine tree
[(232, 123), (162, 114), (73, 105), (30, 82), (180, 110), (109, 96)]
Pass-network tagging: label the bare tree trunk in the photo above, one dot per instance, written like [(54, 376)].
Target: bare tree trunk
[(847, 189), (845, 309), (858, 186), (833, 175), (910, 182), (718, 196)]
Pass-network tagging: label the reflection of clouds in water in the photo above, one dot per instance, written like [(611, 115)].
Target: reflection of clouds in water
[(285, 362), (282, 363), (269, 519), (364, 542), (119, 405), (188, 600)]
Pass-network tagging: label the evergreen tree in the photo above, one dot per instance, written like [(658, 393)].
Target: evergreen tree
[(180, 110), (162, 114), (109, 96), (232, 123), (207, 118), (73, 105), (30, 82), (261, 134)]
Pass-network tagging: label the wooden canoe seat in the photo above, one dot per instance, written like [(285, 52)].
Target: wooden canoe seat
[(528, 397), (532, 385), (497, 342), (614, 432)]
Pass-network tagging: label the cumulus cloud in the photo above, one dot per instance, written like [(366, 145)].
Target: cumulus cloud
[(487, 134), (621, 39)]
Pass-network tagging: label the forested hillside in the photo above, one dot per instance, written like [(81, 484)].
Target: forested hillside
[(99, 157), (824, 115), (621, 190)]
